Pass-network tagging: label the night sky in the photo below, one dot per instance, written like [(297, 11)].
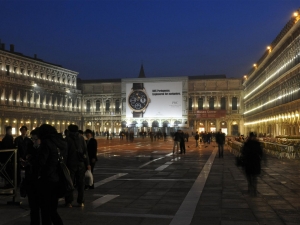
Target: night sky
[(110, 39)]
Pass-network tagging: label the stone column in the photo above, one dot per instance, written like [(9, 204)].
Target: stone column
[(229, 123), (241, 127)]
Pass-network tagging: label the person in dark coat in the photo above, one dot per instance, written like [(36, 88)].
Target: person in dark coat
[(182, 142), (220, 139), (177, 138), (77, 162), (252, 155), (92, 146), (22, 143), (31, 177), (48, 178)]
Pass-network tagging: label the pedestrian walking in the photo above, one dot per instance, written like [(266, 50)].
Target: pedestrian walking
[(176, 141), (182, 142), (220, 139), (92, 145), (197, 139), (252, 154), (77, 162)]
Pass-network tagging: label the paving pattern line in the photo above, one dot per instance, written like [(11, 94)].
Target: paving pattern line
[(150, 162), (162, 167), (186, 211), (130, 215), (101, 182), (103, 200)]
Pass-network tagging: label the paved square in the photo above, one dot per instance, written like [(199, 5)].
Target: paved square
[(144, 183)]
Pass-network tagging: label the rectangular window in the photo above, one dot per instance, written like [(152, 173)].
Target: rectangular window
[(117, 106), (190, 104), (234, 103), (200, 103), (97, 106), (223, 103), (107, 105), (211, 103)]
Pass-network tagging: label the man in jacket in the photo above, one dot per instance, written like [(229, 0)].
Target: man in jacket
[(92, 150), (220, 139), (22, 142), (77, 162)]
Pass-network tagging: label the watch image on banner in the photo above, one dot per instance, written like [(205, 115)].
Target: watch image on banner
[(150, 100)]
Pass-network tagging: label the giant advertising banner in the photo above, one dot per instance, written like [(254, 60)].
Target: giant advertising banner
[(152, 100)]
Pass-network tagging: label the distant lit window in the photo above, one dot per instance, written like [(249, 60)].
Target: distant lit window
[(190, 104), (97, 105), (211, 103), (107, 105), (88, 106), (200, 103), (223, 103), (117, 106), (234, 103)]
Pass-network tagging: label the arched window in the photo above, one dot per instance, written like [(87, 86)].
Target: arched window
[(177, 123), (145, 124), (165, 123), (107, 105), (155, 124), (88, 106), (97, 105)]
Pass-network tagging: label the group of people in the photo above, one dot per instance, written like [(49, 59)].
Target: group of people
[(179, 142), (39, 155)]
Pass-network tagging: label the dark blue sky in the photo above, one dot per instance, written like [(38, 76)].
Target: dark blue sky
[(110, 39)]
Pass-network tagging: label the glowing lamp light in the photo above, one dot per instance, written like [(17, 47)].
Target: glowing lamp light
[(255, 65), (295, 14)]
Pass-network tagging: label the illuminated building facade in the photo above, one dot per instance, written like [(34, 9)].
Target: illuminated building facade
[(214, 103), (191, 103), (34, 92), (272, 89), (101, 105)]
